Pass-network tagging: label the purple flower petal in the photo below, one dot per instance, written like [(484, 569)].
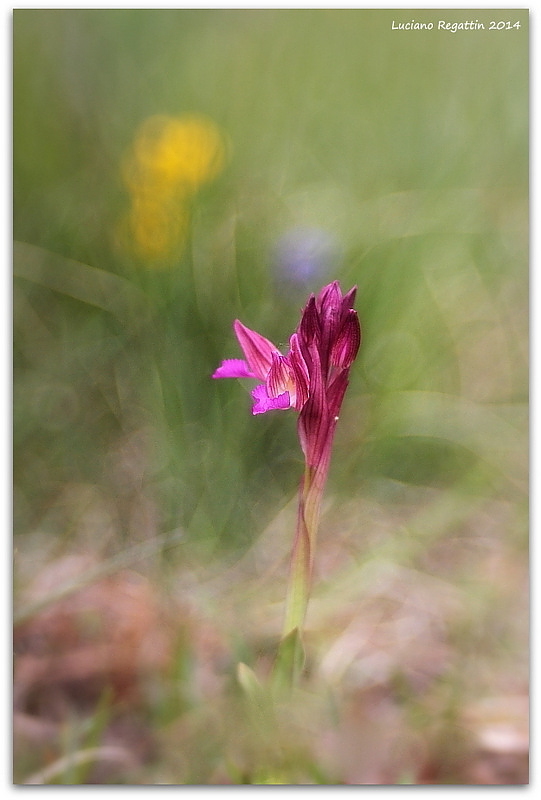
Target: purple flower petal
[(310, 326), (265, 403), (257, 350), (329, 300), (347, 342), (233, 368), (348, 299), (314, 418), (280, 376), (300, 370), (335, 393)]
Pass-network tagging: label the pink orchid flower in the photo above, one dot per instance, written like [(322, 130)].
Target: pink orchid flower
[(311, 378)]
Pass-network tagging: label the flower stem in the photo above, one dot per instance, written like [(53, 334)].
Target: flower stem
[(302, 558)]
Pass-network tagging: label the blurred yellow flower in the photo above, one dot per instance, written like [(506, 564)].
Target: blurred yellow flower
[(171, 157), (156, 229), (172, 150)]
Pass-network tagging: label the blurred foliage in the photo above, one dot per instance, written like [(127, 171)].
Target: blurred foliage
[(328, 146)]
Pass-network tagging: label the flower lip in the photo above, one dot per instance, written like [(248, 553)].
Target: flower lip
[(263, 403), (233, 368)]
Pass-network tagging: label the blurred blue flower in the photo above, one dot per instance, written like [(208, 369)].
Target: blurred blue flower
[(304, 255)]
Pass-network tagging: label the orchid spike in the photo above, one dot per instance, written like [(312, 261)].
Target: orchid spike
[(311, 378), (320, 356)]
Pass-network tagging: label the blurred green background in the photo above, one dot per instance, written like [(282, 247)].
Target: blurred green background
[(394, 160)]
